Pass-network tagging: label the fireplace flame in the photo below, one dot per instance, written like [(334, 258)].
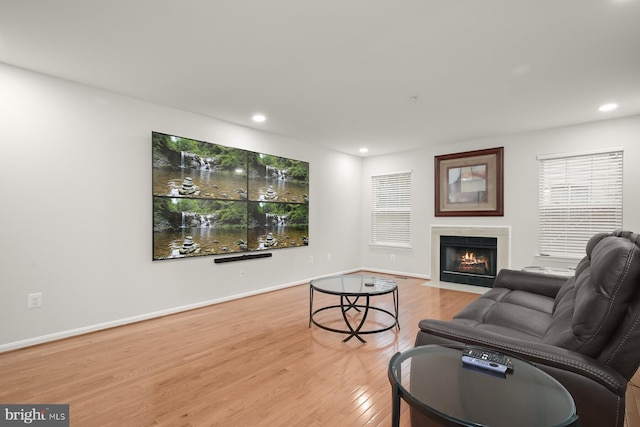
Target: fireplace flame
[(469, 261), (468, 258)]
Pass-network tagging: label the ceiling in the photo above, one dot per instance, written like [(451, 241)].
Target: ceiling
[(391, 75)]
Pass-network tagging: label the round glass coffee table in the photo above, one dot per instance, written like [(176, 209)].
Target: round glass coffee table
[(355, 292), (442, 391)]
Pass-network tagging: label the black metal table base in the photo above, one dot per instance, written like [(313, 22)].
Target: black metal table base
[(350, 302)]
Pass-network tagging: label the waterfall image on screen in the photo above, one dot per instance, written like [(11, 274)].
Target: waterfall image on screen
[(209, 199), (277, 225)]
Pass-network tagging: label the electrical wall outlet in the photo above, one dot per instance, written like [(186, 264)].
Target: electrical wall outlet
[(393, 257), (329, 256), (311, 259), (34, 300)]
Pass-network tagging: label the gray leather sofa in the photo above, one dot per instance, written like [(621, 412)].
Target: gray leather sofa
[(584, 331)]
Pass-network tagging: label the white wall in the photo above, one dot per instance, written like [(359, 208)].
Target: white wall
[(76, 221), (520, 189)]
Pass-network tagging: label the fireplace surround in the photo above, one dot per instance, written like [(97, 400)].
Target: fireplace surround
[(501, 234)]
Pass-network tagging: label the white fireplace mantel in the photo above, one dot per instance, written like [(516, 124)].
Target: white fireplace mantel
[(502, 234)]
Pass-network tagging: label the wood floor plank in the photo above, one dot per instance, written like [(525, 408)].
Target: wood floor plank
[(248, 362)]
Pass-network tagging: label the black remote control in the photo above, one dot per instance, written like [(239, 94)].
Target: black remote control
[(484, 364), (488, 356)]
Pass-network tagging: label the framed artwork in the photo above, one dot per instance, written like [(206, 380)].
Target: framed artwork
[(470, 183)]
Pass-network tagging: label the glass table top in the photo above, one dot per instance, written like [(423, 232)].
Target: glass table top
[(352, 284)]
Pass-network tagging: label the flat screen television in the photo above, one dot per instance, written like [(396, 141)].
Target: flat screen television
[(209, 199)]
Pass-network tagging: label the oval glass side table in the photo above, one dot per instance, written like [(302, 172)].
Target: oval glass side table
[(442, 391)]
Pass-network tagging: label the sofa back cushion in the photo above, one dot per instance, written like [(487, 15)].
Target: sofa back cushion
[(591, 308)]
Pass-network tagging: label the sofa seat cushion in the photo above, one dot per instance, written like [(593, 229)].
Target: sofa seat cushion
[(516, 314)]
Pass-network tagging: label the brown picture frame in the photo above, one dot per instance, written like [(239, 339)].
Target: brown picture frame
[(470, 183)]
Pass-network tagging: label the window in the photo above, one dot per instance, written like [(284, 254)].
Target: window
[(579, 195), (391, 209)]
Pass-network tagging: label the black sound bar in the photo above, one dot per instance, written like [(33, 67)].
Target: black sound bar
[(242, 257)]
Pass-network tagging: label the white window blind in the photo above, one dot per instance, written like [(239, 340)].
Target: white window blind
[(579, 195), (391, 209)]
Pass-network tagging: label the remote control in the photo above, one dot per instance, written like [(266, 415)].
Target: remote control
[(484, 364), (489, 356)]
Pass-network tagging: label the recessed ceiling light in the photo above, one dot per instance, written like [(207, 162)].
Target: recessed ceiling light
[(259, 118), (364, 150), (607, 107)]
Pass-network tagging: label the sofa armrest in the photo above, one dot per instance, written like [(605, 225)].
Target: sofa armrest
[(537, 283)]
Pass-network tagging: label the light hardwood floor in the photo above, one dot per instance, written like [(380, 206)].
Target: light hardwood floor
[(249, 362)]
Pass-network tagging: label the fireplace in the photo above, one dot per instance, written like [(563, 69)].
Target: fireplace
[(468, 260), (503, 251)]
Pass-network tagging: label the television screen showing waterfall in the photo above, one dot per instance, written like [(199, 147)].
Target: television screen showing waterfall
[(209, 199)]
